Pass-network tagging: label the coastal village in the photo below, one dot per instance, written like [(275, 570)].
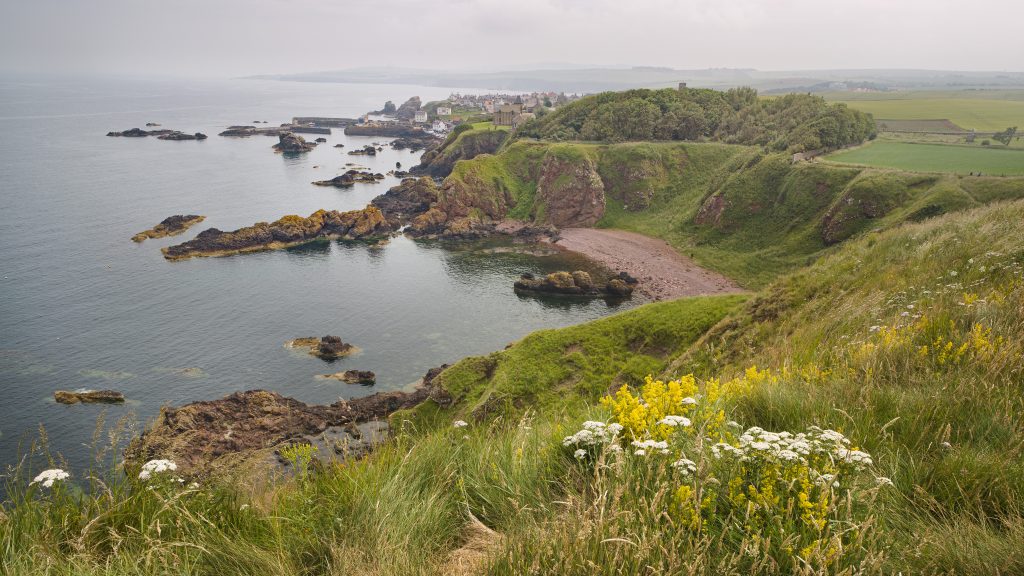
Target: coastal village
[(511, 110)]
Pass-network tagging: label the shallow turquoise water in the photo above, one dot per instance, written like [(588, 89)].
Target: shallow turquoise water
[(83, 306)]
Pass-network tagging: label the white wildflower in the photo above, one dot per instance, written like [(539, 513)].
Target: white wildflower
[(640, 452), (156, 467), (673, 420), (685, 466), (460, 424), (883, 481), (48, 477), (579, 454)]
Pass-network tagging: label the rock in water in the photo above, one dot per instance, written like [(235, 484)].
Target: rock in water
[(578, 283), (367, 224), (327, 347), (363, 377), (292, 143), (170, 226), (88, 397), (351, 177)]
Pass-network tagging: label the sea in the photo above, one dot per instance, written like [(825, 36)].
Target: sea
[(84, 307)]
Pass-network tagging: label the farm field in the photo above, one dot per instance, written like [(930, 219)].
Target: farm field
[(935, 158), (984, 111)]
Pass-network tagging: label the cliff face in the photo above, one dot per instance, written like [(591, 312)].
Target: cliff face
[(570, 193)]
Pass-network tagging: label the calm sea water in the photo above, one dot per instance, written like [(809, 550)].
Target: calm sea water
[(81, 306)]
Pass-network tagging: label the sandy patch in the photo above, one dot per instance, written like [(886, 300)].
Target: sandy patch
[(664, 273)]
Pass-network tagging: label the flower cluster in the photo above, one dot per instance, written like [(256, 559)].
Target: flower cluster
[(156, 467), (46, 478), (593, 434)]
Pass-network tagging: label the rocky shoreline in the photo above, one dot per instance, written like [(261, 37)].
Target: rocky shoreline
[(170, 226), (248, 427)]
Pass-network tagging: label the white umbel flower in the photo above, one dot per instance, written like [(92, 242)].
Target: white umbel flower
[(48, 477), (156, 467)]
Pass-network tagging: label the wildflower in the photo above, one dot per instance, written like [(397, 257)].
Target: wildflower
[(673, 420), (156, 467), (243, 507), (883, 481), (685, 466), (640, 452), (460, 424), (48, 477), (579, 454)]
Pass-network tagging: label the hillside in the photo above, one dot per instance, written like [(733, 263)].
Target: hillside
[(747, 214), (902, 347)]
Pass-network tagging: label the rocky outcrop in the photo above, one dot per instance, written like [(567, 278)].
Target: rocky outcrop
[(578, 283), (366, 150), (161, 134), (570, 193), (414, 143), (248, 426), (182, 136), (408, 108), (367, 223), (404, 202), (461, 145), (88, 397), (326, 347), (361, 377), (349, 178), (170, 226), (140, 133), (290, 143)]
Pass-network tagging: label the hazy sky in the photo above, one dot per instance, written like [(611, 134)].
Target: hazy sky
[(238, 37)]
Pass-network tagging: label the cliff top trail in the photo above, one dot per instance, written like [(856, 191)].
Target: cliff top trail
[(663, 272)]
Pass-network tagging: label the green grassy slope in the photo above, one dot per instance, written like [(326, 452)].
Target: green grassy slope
[(734, 209), (556, 369)]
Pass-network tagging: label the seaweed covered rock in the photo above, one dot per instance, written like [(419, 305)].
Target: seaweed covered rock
[(361, 377), (292, 230), (88, 397), (367, 150), (326, 347), (578, 283), (170, 226), (182, 136), (291, 143), (350, 178)]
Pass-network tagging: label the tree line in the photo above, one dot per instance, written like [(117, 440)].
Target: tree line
[(794, 122)]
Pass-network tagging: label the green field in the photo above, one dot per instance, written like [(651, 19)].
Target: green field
[(995, 161), (984, 111)]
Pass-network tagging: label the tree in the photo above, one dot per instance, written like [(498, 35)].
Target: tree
[(1005, 136)]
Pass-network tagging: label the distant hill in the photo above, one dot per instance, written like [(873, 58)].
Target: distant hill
[(587, 80)]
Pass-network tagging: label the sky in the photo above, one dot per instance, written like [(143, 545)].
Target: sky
[(228, 38)]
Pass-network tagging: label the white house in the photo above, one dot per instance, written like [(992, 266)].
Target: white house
[(421, 116), (444, 111)]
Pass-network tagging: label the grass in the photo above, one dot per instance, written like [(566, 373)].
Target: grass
[(984, 111), (993, 160)]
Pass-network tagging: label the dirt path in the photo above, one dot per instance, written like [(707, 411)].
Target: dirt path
[(663, 272)]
